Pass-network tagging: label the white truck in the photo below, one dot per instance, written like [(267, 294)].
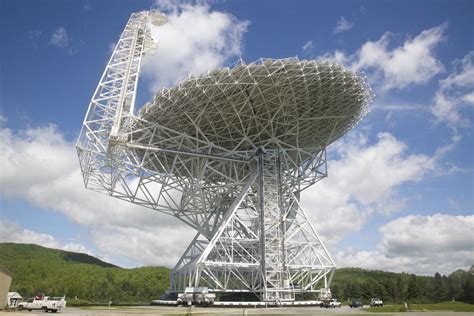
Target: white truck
[(333, 303), (374, 302), (44, 303)]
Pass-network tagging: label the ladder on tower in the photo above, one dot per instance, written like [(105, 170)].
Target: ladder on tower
[(277, 277)]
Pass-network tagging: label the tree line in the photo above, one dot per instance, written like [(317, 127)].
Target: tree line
[(353, 283)]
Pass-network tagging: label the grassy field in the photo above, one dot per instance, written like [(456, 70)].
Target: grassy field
[(444, 306)]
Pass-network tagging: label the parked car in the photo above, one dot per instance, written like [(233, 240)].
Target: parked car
[(355, 304), (374, 302), (332, 303)]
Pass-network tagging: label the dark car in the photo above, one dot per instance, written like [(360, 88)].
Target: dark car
[(355, 304)]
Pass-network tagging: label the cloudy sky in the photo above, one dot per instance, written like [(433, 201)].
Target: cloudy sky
[(400, 191)]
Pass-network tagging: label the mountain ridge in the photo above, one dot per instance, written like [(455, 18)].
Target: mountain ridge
[(32, 250)]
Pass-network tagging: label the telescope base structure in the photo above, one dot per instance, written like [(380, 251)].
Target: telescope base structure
[(265, 244)]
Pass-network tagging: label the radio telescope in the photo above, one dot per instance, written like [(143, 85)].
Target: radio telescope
[(229, 153)]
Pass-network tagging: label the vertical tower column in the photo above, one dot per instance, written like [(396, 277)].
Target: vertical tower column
[(275, 273)]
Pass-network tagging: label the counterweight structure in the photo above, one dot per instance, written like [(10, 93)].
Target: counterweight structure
[(229, 153)]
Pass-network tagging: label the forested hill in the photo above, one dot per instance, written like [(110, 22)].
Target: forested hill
[(55, 272), (11, 253)]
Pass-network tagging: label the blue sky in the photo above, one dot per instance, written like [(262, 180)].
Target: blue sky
[(400, 191)]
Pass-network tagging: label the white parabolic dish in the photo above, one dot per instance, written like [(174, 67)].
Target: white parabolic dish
[(271, 104)]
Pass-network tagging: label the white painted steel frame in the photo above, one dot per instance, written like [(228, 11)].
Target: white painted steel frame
[(228, 153)]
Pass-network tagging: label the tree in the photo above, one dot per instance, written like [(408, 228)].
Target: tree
[(402, 284), (440, 291), (457, 281), (352, 290), (468, 288), (393, 291), (415, 289)]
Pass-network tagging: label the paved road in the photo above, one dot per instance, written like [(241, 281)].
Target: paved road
[(181, 311)]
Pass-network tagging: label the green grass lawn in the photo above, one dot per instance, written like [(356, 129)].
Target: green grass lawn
[(444, 306)]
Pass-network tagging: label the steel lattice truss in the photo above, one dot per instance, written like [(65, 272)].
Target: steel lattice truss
[(229, 153)]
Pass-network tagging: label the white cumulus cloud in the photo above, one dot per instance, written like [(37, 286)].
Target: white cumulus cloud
[(13, 232), (455, 92), (163, 245), (389, 67), (194, 40), (419, 244), (414, 62), (33, 158), (421, 235), (337, 57), (364, 179), (468, 98)]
